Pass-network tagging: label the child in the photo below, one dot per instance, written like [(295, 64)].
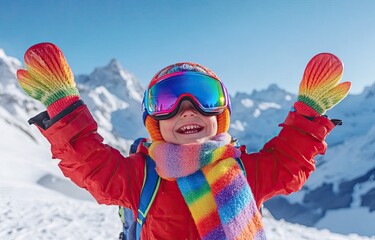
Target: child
[(204, 194)]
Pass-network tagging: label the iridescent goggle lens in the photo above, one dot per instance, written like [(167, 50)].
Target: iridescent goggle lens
[(207, 93)]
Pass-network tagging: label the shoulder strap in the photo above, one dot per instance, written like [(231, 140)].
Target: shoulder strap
[(150, 187), (135, 144), (151, 183), (239, 161)]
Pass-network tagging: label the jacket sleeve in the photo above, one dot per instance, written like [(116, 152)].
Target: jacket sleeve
[(111, 178), (287, 160)]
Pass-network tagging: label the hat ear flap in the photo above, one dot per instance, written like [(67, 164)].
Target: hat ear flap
[(223, 121), (153, 129)]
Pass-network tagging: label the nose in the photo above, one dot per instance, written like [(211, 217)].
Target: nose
[(188, 113), (187, 109)]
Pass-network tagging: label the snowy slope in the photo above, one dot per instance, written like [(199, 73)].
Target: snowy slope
[(31, 181), (28, 210)]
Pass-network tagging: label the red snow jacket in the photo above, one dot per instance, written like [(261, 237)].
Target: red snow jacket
[(281, 167)]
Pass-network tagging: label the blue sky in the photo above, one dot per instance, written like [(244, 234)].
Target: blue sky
[(249, 44)]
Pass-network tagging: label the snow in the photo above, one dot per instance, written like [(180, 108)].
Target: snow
[(70, 219), (345, 162), (248, 103), (282, 230), (57, 219), (356, 221), (31, 210), (256, 113), (106, 100), (8, 64), (288, 97), (38, 202), (238, 125), (266, 105)]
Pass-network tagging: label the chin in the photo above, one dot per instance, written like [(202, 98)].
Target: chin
[(194, 140)]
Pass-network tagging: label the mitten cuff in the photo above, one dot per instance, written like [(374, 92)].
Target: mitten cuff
[(57, 106), (305, 110)]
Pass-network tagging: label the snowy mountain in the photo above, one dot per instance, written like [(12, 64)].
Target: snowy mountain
[(114, 96), (255, 116), (37, 200)]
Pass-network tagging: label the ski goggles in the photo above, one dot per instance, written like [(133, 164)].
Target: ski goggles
[(209, 96)]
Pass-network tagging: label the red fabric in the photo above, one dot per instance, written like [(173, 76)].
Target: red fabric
[(281, 167), (57, 106), (305, 109)]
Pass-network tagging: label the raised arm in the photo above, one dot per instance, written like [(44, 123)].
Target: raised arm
[(286, 161), (72, 132)]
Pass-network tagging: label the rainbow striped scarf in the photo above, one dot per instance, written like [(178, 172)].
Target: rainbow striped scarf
[(213, 186)]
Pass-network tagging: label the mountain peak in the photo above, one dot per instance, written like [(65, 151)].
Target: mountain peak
[(369, 91), (11, 62), (8, 68), (272, 93), (114, 64), (274, 87), (116, 79), (2, 53)]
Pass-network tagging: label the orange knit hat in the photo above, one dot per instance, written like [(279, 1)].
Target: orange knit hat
[(152, 125)]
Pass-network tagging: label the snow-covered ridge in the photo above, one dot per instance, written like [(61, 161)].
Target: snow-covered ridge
[(8, 65), (115, 77)]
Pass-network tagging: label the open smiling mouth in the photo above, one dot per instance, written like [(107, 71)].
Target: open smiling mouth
[(190, 129)]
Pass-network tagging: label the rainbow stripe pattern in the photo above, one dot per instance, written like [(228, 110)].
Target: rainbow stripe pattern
[(221, 202), (169, 164), (48, 77), (320, 88), (216, 192)]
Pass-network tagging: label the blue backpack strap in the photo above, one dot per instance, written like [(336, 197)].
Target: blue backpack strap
[(151, 181), (134, 146), (239, 161), (151, 185), (150, 188)]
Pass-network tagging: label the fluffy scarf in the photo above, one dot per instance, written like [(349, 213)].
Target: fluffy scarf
[(213, 186)]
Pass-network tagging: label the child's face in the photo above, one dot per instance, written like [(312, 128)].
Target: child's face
[(188, 126)]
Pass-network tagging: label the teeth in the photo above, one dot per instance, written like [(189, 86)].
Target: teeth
[(189, 129)]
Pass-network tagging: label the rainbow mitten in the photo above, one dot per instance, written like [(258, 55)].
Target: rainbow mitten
[(48, 78), (319, 89)]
